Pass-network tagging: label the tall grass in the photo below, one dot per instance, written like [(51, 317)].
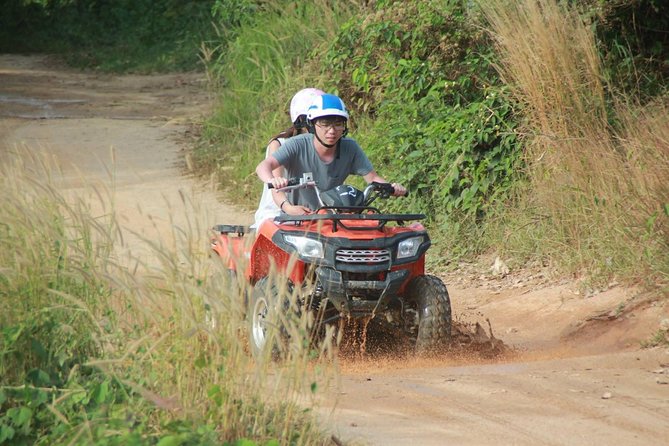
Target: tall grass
[(257, 76), (598, 165), (48, 258), (95, 350)]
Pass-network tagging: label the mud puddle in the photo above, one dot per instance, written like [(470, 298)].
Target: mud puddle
[(369, 339)]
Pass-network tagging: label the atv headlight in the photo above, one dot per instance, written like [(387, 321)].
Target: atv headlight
[(306, 247), (409, 247)]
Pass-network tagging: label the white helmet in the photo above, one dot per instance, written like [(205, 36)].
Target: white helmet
[(301, 102), (327, 105)]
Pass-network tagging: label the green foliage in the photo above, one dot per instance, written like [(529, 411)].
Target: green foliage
[(231, 15), (94, 353), (44, 348), (442, 124), (258, 74), (409, 48), (90, 408), (456, 161), (47, 294), (121, 35), (634, 43)]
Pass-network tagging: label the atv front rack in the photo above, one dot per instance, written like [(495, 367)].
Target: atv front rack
[(232, 229), (339, 218)]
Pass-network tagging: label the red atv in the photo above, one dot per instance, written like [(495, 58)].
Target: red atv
[(346, 260)]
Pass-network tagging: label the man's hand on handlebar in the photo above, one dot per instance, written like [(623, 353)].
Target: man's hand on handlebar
[(400, 190), (387, 189), (290, 183), (278, 183)]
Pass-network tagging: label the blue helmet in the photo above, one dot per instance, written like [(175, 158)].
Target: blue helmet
[(327, 105)]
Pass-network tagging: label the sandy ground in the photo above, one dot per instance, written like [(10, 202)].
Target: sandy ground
[(125, 134), (576, 376)]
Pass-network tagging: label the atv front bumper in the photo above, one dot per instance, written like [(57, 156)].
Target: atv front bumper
[(346, 295)]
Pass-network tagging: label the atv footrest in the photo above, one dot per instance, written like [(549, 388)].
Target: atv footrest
[(240, 230)]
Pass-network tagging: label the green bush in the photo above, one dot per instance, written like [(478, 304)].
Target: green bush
[(265, 64), (121, 35), (438, 118), (634, 44)]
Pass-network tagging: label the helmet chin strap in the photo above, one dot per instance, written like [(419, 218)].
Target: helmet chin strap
[(329, 146)]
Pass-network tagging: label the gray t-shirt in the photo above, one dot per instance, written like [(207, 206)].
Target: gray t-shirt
[(298, 156)]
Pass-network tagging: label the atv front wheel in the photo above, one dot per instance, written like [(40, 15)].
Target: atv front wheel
[(427, 295), (266, 322)]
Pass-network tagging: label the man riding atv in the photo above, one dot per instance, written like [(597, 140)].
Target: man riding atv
[(325, 152), (340, 257)]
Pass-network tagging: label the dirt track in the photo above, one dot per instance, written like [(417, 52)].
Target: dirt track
[(578, 375)]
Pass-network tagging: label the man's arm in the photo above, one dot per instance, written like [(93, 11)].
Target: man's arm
[(273, 146), (373, 176), (265, 167), (264, 171)]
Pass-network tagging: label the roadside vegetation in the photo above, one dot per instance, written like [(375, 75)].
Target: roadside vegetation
[(597, 160), (97, 348), (546, 146)]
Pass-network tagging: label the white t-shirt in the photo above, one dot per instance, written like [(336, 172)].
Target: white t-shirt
[(267, 208)]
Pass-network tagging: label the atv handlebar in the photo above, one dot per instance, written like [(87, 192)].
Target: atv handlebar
[(373, 190), (384, 189), (291, 182)]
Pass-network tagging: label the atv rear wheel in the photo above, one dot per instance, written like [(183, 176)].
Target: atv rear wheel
[(266, 323), (428, 296)]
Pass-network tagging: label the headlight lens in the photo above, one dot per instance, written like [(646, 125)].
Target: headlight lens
[(305, 246), (409, 247)]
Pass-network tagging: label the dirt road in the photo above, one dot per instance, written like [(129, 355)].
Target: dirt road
[(129, 132), (578, 375)]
